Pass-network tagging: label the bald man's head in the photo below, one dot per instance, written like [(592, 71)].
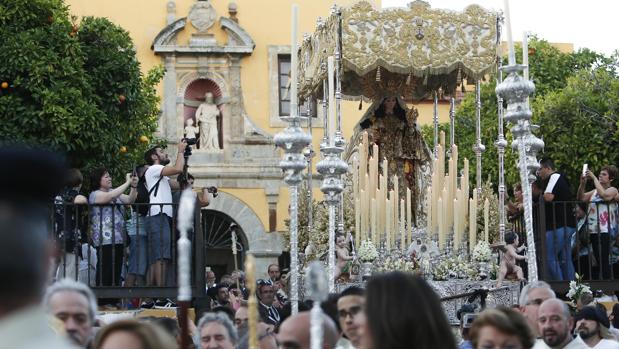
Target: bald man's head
[(294, 332), (555, 323)]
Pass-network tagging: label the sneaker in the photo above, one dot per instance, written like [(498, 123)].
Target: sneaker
[(165, 304), (147, 304)]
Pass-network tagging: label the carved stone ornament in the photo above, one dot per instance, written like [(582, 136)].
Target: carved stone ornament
[(202, 16)]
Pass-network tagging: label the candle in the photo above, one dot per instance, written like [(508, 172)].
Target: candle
[(510, 42), (441, 223), (429, 213), (252, 302), (373, 222), (456, 227), (331, 114), (486, 218), (357, 222), (388, 224), (525, 55), (409, 214), (402, 228), (294, 61), (472, 228)]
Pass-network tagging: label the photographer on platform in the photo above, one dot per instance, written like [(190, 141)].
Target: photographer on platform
[(159, 220)]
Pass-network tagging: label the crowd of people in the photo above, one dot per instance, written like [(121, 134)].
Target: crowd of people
[(394, 310), (122, 235), (579, 232)]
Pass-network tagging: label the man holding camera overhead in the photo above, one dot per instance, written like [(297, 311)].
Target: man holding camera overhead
[(158, 224)]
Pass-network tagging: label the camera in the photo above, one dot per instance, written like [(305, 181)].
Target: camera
[(213, 190), (190, 142)]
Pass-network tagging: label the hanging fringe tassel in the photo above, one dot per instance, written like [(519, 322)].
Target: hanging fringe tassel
[(408, 79), (361, 103), (459, 77), (378, 73)]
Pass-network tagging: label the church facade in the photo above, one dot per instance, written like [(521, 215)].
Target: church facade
[(239, 53)]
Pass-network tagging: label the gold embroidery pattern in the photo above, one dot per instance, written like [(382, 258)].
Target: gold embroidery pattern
[(429, 44)]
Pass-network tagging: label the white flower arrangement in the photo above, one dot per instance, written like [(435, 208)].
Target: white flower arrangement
[(577, 289), (399, 264), (482, 252), (367, 252)]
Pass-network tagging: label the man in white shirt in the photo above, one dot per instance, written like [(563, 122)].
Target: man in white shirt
[(592, 327), (159, 221), (555, 323)]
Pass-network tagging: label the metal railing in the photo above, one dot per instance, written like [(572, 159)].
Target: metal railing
[(112, 248), (575, 237)]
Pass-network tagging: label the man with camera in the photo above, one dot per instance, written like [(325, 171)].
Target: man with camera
[(158, 224)]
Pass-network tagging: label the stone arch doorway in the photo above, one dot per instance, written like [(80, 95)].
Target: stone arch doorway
[(218, 227), (194, 96)]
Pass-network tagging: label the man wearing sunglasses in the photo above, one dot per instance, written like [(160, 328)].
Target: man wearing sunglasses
[(266, 294)]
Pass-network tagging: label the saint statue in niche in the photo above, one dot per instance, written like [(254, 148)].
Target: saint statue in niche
[(393, 127), (207, 115)]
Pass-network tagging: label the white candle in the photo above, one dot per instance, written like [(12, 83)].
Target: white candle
[(331, 114), (293, 61), (525, 55), (409, 214), (388, 233), (472, 226), (456, 226), (429, 212), (508, 30), (486, 218), (373, 222), (402, 227)]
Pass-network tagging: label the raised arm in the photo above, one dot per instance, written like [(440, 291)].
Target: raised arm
[(105, 197), (203, 198), (581, 195), (180, 162), (607, 194), (512, 253), (133, 193)]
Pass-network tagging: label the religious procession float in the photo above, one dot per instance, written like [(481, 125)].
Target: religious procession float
[(391, 201)]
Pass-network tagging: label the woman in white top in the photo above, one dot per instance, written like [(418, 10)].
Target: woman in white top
[(601, 216)]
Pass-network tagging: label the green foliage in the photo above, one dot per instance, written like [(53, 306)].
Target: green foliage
[(65, 86), (575, 105), (580, 123)]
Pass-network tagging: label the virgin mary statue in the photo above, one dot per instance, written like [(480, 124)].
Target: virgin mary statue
[(393, 127)]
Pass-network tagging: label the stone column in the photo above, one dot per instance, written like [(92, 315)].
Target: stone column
[(168, 124), (236, 104)]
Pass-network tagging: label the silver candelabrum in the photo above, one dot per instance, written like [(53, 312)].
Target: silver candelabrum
[(515, 90), (293, 141)]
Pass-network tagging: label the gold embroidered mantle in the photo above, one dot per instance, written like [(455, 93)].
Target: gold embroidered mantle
[(422, 47)]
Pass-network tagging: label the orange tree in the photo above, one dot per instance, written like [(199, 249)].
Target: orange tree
[(75, 88)]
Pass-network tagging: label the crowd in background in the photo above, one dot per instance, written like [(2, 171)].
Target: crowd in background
[(579, 231)]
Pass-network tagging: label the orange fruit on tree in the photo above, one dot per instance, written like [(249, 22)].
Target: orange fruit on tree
[(122, 99), (123, 149), (4, 85), (143, 139)]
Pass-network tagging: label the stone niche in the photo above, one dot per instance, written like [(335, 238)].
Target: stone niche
[(247, 157)]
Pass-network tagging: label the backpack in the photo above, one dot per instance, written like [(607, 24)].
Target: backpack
[(144, 195), (66, 215)]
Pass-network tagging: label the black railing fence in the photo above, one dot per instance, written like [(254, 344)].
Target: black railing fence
[(575, 237), (114, 249)]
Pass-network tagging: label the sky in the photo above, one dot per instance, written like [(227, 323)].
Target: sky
[(591, 24)]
